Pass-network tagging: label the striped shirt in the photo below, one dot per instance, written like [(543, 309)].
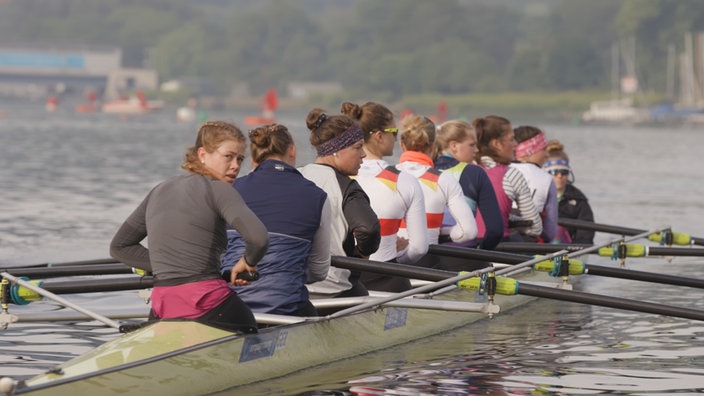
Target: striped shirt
[(516, 188)]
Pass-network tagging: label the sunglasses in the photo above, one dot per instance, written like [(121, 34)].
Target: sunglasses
[(555, 172)]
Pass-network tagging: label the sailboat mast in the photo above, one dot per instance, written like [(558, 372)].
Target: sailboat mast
[(699, 68), (689, 85), (670, 76), (615, 80)]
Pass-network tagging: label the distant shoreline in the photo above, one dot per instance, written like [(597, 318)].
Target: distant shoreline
[(563, 107)]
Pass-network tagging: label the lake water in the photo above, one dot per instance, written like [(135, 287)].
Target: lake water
[(67, 182)]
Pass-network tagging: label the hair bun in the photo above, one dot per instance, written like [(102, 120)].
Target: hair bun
[(321, 118)]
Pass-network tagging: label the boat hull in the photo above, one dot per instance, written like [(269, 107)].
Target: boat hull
[(259, 120), (188, 358), (132, 107)]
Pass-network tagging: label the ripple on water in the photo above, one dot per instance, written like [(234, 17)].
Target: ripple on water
[(584, 380)]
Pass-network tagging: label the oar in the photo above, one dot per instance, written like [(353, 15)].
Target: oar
[(81, 262), (70, 270), (580, 268), (340, 262), (677, 238), (60, 300), (569, 250), (632, 250), (66, 315), (20, 294), (514, 287)]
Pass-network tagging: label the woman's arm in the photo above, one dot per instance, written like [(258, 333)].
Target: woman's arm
[(516, 188), (361, 219), (465, 228), (236, 213), (416, 223), (126, 243), (488, 206), (319, 257), (550, 215)]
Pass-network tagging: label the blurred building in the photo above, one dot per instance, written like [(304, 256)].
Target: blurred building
[(36, 71), (306, 89)]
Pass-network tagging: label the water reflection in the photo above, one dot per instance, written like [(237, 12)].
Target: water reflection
[(582, 351)]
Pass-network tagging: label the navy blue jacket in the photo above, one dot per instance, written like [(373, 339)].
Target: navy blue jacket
[(290, 207)]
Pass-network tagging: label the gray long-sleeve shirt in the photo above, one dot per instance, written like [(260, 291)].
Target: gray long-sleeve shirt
[(185, 220)]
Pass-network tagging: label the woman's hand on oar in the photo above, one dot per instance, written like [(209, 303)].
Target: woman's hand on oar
[(676, 238)]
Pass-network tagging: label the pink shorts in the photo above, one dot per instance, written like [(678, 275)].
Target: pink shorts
[(189, 300)]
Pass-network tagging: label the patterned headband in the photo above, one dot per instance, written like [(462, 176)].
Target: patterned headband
[(347, 138), (557, 164), (531, 146)]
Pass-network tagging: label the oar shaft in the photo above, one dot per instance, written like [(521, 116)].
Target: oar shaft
[(478, 254), (70, 270), (394, 269), (84, 262), (98, 285), (674, 251), (546, 248), (80, 262), (591, 226), (61, 300), (608, 301), (538, 248), (610, 229), (643, 276)]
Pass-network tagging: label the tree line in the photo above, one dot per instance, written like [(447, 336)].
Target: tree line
[(389, 48)]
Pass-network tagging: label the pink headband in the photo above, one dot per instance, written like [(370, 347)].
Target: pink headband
[(531, 146)]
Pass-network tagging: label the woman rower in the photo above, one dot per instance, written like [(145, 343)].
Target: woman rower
[(297, 215), (185, 220), (573, 204), (441, 191), (456, 145), (395, 196), (496, 141), (338, 141), (531, 153)]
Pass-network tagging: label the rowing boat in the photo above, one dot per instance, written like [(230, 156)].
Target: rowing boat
[(183, 357), (171, 355)]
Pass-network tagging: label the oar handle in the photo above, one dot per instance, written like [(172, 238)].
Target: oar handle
[(249, 276)]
